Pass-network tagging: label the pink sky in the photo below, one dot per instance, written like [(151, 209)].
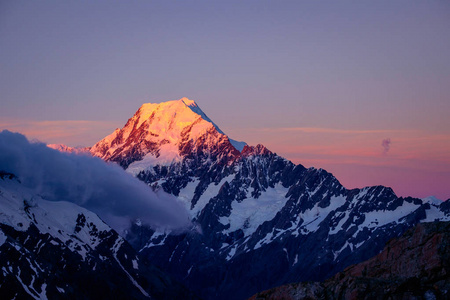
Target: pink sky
[(417, 162), (321, 83)]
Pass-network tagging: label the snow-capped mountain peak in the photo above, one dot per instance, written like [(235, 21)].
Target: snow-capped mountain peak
[(59, 250), (64, 148), (196, 109), (432, 200), (188, 102), (183, 112), (162, 134)]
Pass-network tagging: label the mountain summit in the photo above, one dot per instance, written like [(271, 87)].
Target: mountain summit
[(163, 134), (260, 220)]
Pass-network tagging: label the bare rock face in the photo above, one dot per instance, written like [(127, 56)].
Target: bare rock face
[(414, 266), (64, 148), (419, 252), (164, 134), (260, 220), (58, 250)]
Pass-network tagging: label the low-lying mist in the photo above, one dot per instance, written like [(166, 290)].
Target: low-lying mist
[(106, 189)]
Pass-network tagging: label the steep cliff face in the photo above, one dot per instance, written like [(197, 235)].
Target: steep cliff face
[(58, 250), (261, 221), (164, 134), (414, 266), (64, 148)]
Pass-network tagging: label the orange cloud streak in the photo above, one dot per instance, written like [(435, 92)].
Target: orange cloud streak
[(416, 158), (71, 132)]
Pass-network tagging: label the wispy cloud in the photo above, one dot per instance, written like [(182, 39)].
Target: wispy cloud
[(106, 189), (70, 132), (328, 130), (386, 144), (322, 147)]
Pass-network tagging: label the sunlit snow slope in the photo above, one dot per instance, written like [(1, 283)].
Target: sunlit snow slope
[(58, 250), (162, 134), (259, 220)]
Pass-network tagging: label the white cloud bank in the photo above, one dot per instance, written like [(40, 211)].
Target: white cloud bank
[(103, 188)]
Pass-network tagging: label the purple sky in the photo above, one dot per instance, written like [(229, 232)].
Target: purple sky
[(321, 83)]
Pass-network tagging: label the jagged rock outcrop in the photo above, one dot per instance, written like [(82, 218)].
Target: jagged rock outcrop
[(58, 250), (64, 148), (413, 266), (261, 221), (164, 134)]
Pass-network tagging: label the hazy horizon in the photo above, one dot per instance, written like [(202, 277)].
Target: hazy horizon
[(358, 89)]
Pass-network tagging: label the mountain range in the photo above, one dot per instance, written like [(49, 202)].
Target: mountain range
[(413, 266), (257, 219), (59, 250)]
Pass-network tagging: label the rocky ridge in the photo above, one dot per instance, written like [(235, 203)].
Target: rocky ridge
[(260, 220), (413, 266), (58, 250), (64, 148), (258, 216), (164, 134)]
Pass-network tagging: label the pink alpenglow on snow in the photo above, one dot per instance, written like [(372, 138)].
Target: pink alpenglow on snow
[(159, 129), (321, 83)]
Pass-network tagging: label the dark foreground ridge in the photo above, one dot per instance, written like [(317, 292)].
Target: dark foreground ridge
[(413, 266), (260, 220), (58, 250)]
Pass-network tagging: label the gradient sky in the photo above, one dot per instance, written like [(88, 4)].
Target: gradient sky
[(322, 83)]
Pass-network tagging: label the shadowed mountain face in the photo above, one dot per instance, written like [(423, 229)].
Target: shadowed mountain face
[(164, 134), (58, 250), (258, 220), (261, 221), (413, 266)]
